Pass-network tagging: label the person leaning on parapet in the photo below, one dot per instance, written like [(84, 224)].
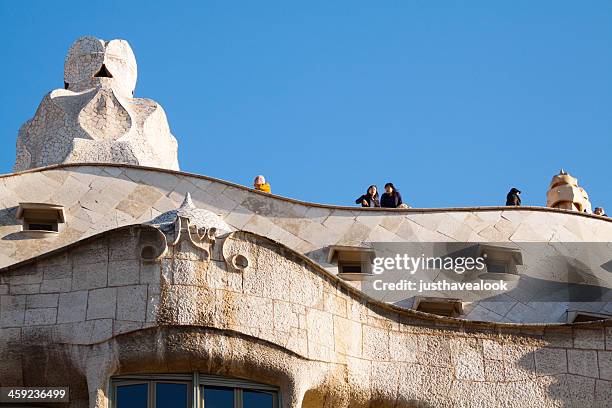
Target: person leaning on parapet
[(370, 198), (600, 211), (514, 197), (391, 198), (260, 184)]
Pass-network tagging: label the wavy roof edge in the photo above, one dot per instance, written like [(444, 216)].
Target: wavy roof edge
[(307, 203), (441, 322)]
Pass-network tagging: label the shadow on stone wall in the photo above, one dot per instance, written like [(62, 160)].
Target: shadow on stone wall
[(567, 367), (36, 361), (8, 216)]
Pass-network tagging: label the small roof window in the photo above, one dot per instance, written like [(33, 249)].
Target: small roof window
[(501, 261), (354, 263), (41, 218), (440, 306), (579, 316)]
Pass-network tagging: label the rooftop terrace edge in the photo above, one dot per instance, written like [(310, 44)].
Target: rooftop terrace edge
[(306, 203)]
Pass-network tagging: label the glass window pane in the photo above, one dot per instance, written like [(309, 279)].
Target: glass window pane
[(257, 399), (171, 395), (218, 397), (132, 396)]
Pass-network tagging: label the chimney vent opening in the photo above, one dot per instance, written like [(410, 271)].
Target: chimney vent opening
[(103, 73)]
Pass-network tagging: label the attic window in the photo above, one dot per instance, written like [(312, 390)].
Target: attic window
[(440, 306), (497, 267), (577, 316), (354, 263), (103, 73), (501, 261), (40, 217)]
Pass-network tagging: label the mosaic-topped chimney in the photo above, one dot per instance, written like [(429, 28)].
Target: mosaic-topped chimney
[(95, 118)]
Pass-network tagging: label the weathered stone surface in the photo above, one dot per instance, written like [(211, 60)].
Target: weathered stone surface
[(25, 289), (25, 276), (551, 361), (589, 339), (102, 303), (494, 370), (77, 332), (559, 336), (42, 301), (72, 307), (150, 273), (102, 330), (9, 335), (375, 343), (350, 343), (582, 362), (56, 285), (468, 360), (12, 310), (603, 396), (122, 273), (44, 316), (604, 359), (57, 271), (434, 350), (89, 276), (121, 326), (492, 350), (131, 303)]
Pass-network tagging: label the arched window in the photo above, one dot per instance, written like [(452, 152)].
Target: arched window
[(190, 391)]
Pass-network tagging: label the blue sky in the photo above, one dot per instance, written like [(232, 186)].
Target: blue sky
[(453, 101)]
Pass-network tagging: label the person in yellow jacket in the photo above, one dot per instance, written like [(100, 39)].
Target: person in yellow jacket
[(260, 184)]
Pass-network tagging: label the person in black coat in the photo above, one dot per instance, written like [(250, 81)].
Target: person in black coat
[(514, 197), (370, 198), (391, 198), (600, 211)]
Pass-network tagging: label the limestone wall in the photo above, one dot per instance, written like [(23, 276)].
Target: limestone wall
[(95, 310)]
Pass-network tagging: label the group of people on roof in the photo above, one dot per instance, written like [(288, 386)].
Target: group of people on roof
[(392, 198)]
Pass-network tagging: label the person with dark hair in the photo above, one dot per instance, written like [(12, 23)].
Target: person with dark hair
[(391, 198), (600, 211), (370, 198), (514, 197)]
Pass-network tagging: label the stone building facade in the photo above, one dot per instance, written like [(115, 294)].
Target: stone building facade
[(132, 283)]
